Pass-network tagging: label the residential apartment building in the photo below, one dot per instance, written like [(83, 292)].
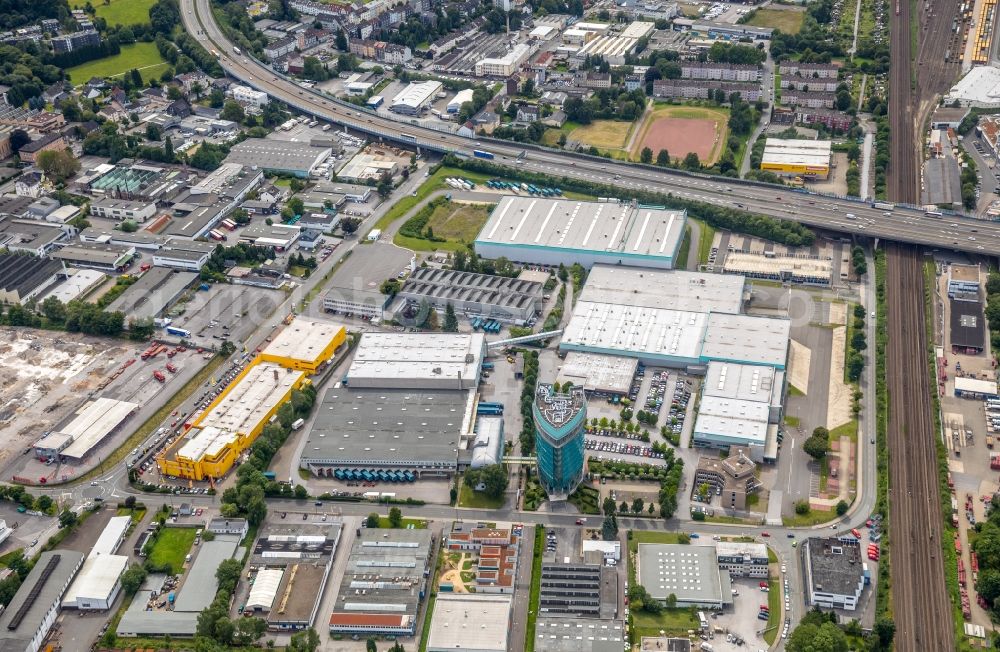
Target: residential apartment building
[(835, 120), (75, 41), (702, 89), (720, 71), (247, 95), (804, 83), (30, 151), (280, 47), (817, 70), (809, 99)]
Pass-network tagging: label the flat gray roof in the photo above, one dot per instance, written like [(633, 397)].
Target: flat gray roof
[(740, 381), (403, 427), (194, 223), (136, 621), (200, 584), (578, 634), (747, 339), (470, 621), (152, 293), (277, 154), (830, 567), (105, 254), (613, 328), (626, 230), (669, 289), (413, 359), (443, 285), (689, 572), (598, 373), (384, 574), (42, 589)]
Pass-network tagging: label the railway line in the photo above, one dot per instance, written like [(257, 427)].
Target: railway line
[(920, 605)]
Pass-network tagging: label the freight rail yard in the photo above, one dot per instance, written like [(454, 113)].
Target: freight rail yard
[(69, 400)]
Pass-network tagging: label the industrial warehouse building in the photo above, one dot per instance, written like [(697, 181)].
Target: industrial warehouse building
[(691, 573), (438, 361), (673, 318), (561, 231), (91, 426), (293, 563), (282, 156), (23, 277), (231, 423), (413, 99), (470, 622), (105, 257), (604, 375), (509, 300), (393, 566), (155, 290), (33, 610), (797, 157), (398, 430), (968, 327), (741, 405), (305, 344), (99, 580)]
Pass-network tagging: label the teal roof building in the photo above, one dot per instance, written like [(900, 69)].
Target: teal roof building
[(560, 418)]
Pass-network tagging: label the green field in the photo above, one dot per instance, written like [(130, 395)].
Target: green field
[(789, 21), (143, 56), (469, 497), (119, 12), (172, 546)]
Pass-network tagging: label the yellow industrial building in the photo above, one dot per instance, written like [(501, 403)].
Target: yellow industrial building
[(797, 158), (232, 422), (305, 344)]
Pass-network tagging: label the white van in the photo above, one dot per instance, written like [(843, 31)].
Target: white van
[(852, 216)]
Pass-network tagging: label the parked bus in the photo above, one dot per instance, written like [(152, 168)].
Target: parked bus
[(179, 332)]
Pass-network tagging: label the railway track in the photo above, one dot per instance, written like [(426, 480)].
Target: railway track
[(901, 175), (921, 608)]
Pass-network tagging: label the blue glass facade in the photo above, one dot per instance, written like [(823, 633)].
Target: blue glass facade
[(559, 439)]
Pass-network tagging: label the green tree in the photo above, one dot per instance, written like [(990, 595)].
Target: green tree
[(637, 505), (232, 110), (390, 287), (802, 507), (663, 158), (822, 638), (646, 156), (67, 519), (132, 579), (395, 517), (58, 164), (228, 573), (44, 503), (816, 447), (692, 162), (370, 645), (842, 507), (301, 492), (53, 309), (216, 98), (450, 319), (153, 132), (609, 528), (372, 520)]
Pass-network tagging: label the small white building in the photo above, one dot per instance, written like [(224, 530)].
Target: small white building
[(247, 95), (612, 550), (237, 526)]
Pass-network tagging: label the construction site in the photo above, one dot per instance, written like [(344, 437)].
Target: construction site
[(79, 397)]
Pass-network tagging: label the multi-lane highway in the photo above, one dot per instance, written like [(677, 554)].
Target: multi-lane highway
[(821, 211)]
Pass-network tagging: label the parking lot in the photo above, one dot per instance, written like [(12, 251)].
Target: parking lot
[(230, 312)]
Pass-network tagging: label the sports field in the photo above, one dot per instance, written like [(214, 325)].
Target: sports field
[(119, 12), (143, 56), (602, 134), (789, 21), (684, 129)]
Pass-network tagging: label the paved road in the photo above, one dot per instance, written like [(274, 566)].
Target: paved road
[(810, 209), (765, 119)]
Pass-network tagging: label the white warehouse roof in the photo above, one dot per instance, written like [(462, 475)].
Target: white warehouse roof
[(265, 589), (461, 97), (97, 580), (669, 289), (111, 537), (797, 152), (93, 424), (416, 94), (979, 87)]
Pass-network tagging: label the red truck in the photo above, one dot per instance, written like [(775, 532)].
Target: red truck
[(159, 376), (171, 368)]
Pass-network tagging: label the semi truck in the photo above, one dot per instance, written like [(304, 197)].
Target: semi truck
[(179, 332), (883, 205)]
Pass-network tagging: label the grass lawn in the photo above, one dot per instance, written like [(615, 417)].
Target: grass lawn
[(792, 422), (774, 606), (705, 241), (651, 536), (469, 497), (602, 134), (787, 20), (417, 523), (814, 517), (136, 514), (10, 556), (119, 12), (849, 429), (682, 255), (405, 204), (795, 391), (459, 221), (536, 589), (172, 546), (671, 621), (143, 56)]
